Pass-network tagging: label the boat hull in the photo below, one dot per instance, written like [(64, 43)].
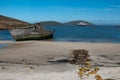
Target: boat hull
[(34, 37)]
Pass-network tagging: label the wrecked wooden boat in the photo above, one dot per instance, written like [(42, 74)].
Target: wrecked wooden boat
[(33, 32)]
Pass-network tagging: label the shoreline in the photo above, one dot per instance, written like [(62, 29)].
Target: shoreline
[(11, 41)]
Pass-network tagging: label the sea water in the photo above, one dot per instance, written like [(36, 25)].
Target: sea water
[(86, 33), (78, 33), (5, 35)]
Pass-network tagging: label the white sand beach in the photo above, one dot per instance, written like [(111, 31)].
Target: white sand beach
[(39, 60)]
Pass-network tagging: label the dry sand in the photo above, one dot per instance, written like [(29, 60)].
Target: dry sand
[(43, 58)]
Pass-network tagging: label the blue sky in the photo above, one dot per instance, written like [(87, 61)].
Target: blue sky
[(97, 11)]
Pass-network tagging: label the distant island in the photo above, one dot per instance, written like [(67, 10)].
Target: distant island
[(50, 23), (8, 23), (79, 23), (71, 23)]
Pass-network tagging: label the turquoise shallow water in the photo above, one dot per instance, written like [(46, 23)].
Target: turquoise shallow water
[(79, 33)]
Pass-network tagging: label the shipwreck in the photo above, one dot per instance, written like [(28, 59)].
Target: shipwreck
[(33, 32)]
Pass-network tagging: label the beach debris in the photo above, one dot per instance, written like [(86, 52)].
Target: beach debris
[(82, 59), (23, 61), (98, 77), (79, 57), (60, 59), (109, 79), (28, 67)]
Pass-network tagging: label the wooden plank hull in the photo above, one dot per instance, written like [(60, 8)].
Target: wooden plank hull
[(34, 36)]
